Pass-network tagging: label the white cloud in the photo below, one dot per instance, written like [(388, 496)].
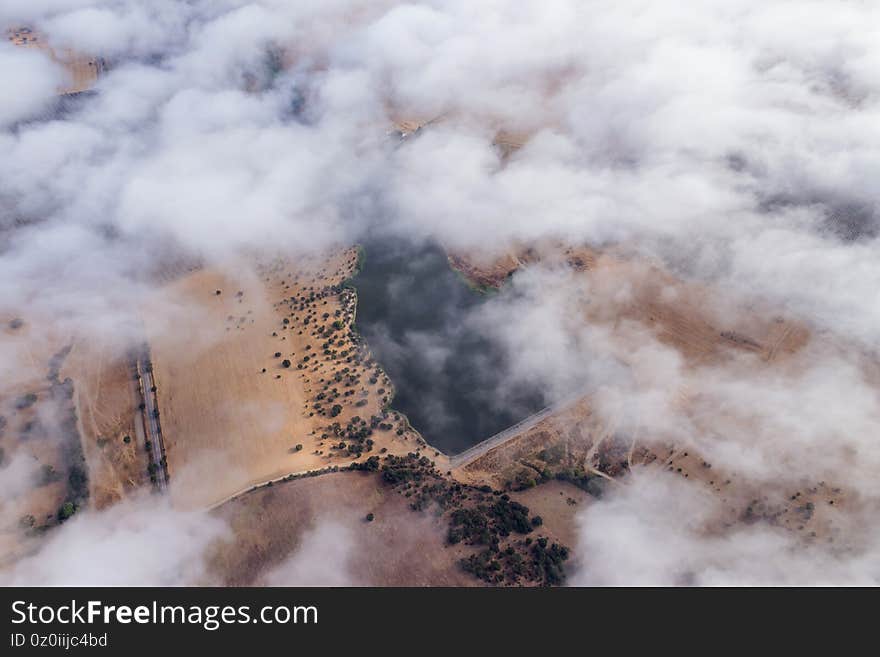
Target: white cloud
[(135, 543), (322, 559), (737, 142), (660, 531), (31, 79)]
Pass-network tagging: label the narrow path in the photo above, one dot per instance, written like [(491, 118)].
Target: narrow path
[(263, 483), (777, 344)]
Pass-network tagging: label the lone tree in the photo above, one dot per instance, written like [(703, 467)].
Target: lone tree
[(285, 363), (65, 511)]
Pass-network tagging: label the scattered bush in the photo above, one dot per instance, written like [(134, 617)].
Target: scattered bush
[(66, 511)]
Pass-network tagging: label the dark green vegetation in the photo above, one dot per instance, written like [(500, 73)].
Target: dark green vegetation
[(591, 483), (507, 548), (478, 517), (523, 560), (553, 463), (61, 395), (25, 401)]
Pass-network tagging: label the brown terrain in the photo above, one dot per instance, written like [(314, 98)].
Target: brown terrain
[(397, 548), (268, 396), (506, 142), (262, 377), (69, 420), (596, 450), (107, 400), (407, 525), (82, 70), (39, 441)]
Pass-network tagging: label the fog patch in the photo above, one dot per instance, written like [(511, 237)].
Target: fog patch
[(142, 542), (659, 530), (323, 558)]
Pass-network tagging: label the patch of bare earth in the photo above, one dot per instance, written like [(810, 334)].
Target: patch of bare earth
[(593, 451), (107, 400), (397, 548), (40, 451), (81, 70)]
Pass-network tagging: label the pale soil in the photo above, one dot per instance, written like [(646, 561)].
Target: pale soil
[(573, 428), (508, 142), (491, 266), (556, 502), (706, 329), (107, 406), (82, 71), (579, 440), (701, 324), (30, 435), (228, 425), (505, 140), (399, 547), (102, 399), (225, 424), (697, 321)]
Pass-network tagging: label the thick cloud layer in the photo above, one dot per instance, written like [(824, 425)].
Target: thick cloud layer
[(749, 127), (33, 76), (736, 142), (656, 531), (322, 559)]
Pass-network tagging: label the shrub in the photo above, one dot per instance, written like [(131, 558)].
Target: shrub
[(65, 511), (25, 401), (48, 475)]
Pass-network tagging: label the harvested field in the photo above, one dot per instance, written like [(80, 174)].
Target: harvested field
[(398, 548), (40, 450), (500, 465), (556, 502), (107, 403), (595, 450), (340, 529), (82, 70), (259, 376)]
